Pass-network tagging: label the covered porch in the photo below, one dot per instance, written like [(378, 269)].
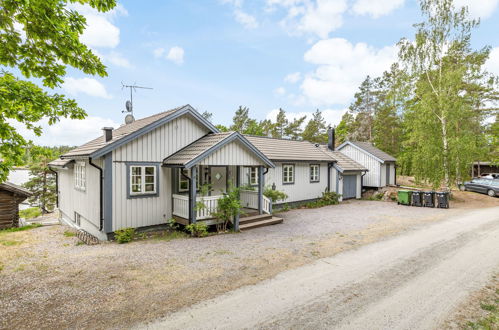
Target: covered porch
[(205, 170)]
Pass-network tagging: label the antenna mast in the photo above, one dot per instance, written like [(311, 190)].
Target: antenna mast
[(129, 104)]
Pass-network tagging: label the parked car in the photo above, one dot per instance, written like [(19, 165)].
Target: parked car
[(481, 185), (490, 176)]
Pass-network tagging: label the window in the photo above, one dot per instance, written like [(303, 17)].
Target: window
[(80, 175), (183, 182), (77, 219), (288, 173), (253, 176), (314, 173), (142, 180)]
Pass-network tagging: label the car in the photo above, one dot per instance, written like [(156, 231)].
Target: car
[(490, 176), (481, 185)]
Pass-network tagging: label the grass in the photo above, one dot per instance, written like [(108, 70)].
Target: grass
[(10, 242), (171, 235), (30, 213), (12, 230), (491, 320), (68, 233)]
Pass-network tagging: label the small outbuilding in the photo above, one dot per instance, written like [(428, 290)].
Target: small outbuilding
[(381, 166), (11, 196)]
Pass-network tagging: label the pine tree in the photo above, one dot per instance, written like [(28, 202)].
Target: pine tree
[(280, 124), (294, 129), (316, 130), (344, 128), (363, 108), (240, 119)]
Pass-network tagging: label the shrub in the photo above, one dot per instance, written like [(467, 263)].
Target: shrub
[(198, 229), (30, 213), (124, 235), (228, 207), (274, 195), (330, 198), (172, 224)]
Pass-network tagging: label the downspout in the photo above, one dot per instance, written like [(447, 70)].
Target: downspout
[(362, 179), (395, 174), (56, 186), (329, 166), (101, 194)]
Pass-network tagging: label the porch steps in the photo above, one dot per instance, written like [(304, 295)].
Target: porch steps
[(256, 221)]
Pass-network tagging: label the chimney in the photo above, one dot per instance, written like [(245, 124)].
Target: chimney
[(108, 133), (331, 139)]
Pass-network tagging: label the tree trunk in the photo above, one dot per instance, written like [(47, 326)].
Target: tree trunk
[(445, 143)]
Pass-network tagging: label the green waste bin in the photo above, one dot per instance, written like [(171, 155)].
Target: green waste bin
[(404, 197)]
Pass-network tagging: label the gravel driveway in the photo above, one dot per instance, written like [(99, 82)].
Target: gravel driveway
[(59, 283)]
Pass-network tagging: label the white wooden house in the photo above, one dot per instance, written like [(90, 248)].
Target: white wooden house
[(381, 166), (144, 173)]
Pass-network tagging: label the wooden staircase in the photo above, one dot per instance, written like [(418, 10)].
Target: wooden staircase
[(258, 220)]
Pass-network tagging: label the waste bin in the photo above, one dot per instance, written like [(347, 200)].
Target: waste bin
[(404, 197), (443, 199), (429, 199), (417, 198)]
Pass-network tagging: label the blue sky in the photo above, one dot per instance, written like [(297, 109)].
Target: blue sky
[(218, 54)]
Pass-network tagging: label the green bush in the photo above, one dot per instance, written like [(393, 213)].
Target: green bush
[(274, 195), (198, 229), (124, 235), (32, 212), (330, 198)]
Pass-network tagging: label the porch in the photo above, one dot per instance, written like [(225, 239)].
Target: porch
[(218, 161)]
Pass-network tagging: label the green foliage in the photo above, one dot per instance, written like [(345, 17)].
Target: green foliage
[(328, 198), (316, 130), (198, 229), (30, 213), (274, 195), (124, 235), (229, 205), (68, 233), (12, 230), (48, 44), (172, 224), (345, 128)]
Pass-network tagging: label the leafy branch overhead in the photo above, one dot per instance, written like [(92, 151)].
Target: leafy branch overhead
[(40, 39)]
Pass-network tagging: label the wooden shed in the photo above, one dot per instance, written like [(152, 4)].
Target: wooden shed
[(11, 196)]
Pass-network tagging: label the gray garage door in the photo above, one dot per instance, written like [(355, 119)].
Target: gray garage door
[(349, 186)]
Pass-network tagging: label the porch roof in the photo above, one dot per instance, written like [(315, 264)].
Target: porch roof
[(201, 149)]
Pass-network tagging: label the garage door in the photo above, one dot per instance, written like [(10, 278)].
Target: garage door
[(349, 186)]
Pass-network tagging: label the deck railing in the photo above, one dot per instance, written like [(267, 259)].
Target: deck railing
[(249, 199)]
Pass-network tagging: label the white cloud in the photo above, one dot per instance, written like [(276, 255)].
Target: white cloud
[(478, 8), (280, 91), (319, 17), (176, 55), (100, 30), (67, 131), (89, 86), (376, 8), (332, 116), (492, 64), (117, 59), (341, 68), (245, 19), (293, 78), (158, 52)]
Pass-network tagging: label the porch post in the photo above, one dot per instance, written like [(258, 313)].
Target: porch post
[(260, 189), (192, 195), (238, 184)]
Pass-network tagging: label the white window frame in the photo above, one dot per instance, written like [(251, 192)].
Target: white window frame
[(80, 176), (143, 182), (253, 176), (181, 179), (288, 176), (315, 173)]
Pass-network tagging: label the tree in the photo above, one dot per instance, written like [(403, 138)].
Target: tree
[(363, 108), (344, 128), (41, 183), (316, 130), (207, 115), (450, 94), (240, 120), (293, 131), (280, 124), (48, 44)]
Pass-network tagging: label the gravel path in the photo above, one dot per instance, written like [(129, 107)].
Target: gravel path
[(59, 283), (412, 281)]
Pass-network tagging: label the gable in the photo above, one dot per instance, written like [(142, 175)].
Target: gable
[(233, 153), (353, 152)]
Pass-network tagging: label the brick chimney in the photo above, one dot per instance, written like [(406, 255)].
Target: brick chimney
[(108, 133), (331, 139)]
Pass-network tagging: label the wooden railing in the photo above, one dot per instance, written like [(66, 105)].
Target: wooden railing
[(249, 199)]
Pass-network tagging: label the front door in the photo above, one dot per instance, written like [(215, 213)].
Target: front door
[(349, 186), (218, 180)]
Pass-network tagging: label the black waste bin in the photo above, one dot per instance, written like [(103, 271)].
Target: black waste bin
[(429, 199), (417, 198), (443, 199)]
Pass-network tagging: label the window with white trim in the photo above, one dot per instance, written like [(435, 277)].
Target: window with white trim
[(142, 180), (314, 173), (183, 182), (288, 173), (253, 176), (80, 176)]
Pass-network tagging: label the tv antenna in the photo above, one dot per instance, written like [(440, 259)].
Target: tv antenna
[(129, 103)]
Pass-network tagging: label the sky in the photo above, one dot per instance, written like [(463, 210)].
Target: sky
[(299, 55)]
